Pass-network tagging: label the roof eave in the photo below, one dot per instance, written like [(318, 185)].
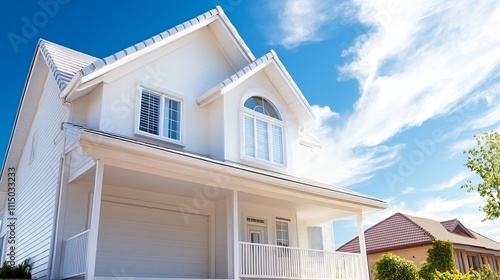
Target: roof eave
[(10, 158), (364, 203)]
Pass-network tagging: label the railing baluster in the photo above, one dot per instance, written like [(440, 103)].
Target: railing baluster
[(74, 255), (271, 261)]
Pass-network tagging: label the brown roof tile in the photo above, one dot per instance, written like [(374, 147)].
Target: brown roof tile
[(403, 231)]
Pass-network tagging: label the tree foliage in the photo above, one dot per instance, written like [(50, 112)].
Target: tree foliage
[(439, 259), (484, 160), (392, 267)]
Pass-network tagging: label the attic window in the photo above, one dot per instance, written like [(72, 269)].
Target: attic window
[(263, 131)]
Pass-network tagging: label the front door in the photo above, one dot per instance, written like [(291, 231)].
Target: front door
[(256, 234)]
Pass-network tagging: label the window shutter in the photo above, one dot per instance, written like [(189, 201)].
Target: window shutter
[(277, 144), (249, 137), (149, 119), (262, 140)]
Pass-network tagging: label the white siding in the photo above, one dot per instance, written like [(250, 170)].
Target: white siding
[(38, 182), (216, 125), (183, 70), (86, 111)]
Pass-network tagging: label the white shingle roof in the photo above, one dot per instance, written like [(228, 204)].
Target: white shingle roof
[(63, 62)]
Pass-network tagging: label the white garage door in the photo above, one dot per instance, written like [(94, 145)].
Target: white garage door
[(147, 242)]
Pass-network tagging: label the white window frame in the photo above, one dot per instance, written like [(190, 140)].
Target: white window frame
[(270, 121), (287, 231), (163, 98)]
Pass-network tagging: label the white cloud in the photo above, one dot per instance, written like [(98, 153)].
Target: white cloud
[(339, 162), (302, 21), (452, 182), (418, 63)]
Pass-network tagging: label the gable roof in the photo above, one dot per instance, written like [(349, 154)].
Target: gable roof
[(104, 65), (63, 62), (455, 226), (288, 88), (404, 231)]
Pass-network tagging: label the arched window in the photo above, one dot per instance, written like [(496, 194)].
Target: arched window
[(263, 106), (263, 131)]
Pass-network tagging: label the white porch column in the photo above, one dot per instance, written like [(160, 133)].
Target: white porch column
[(94, 221), (236, 245), (362, 246)]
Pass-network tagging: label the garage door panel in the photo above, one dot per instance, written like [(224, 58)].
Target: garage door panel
[(151, 242)]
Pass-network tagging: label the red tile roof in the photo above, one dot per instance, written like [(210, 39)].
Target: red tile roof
[(405, 231)]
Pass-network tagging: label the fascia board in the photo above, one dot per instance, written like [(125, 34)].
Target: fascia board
[(92, 141)]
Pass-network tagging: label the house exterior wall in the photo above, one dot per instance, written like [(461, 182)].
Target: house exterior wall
[(86, 111), (414, 254), (419, 254), (37, 184), (482, 258), (182, 70)]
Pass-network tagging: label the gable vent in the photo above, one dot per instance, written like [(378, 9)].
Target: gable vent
[(255, 220)]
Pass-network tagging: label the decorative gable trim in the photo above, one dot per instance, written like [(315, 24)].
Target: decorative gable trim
[(102, 66), (297, 102)]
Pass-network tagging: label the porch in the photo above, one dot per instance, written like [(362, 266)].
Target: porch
[(256, 261), (152, 219)]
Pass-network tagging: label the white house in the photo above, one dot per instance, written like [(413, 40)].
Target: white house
[(177, 157)]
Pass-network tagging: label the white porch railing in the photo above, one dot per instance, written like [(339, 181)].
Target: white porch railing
[(269, 261), (74, 255)]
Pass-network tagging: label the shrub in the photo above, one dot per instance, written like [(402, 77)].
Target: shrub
[(454, 275), (485, 273), (439, 258), (21, 271), (392, 267)]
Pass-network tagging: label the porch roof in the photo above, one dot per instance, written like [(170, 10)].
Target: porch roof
[(364, 202)]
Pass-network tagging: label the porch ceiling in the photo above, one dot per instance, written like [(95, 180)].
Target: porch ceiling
[(313, 214)]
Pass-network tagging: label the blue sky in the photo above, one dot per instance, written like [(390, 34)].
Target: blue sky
[(399, 87)]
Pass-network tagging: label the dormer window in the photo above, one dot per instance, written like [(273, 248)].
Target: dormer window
[(263, 131)]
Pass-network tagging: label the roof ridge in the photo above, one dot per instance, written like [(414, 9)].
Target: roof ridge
[(189, 24), (408, 217), (148, 42)]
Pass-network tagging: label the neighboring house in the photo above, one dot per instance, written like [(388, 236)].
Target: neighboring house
[(410, 237), (178, 157)]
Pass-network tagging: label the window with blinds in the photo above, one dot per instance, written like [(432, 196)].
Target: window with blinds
[(159, 115), (263, 131)]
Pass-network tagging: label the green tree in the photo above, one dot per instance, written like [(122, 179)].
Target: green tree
[(484, 160), (392, 267), (439, 259)]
